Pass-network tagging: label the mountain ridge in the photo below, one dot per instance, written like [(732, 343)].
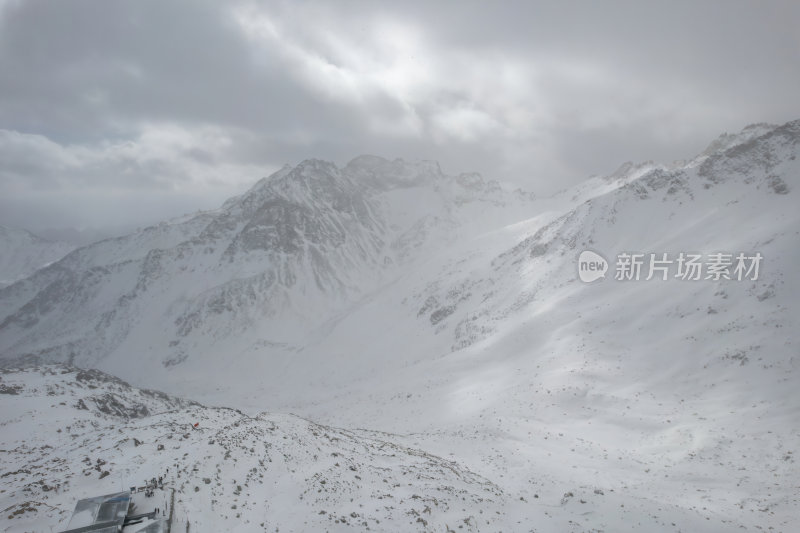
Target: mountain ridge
[(315, 222), (25, 252), (607, 405)]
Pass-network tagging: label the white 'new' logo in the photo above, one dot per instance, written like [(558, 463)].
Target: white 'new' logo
[(591, 266)]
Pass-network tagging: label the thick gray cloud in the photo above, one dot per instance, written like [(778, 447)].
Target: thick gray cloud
[(121, 113)]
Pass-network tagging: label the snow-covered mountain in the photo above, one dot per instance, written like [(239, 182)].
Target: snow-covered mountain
[(448, 313), (22, 253), (269, 266)]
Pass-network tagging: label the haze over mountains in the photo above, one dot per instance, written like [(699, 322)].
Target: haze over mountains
[(448, 313), (24, 253), (272, 264)]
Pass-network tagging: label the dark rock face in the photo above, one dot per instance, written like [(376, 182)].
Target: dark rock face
[(10, 389), (112, 405), (758, 156)]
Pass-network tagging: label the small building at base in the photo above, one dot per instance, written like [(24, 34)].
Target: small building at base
[(109, 514), (101, 514)]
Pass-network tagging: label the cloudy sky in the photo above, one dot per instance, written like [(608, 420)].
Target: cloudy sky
[(115, 114)]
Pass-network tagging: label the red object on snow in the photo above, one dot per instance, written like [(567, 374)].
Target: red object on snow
[(196, 424)]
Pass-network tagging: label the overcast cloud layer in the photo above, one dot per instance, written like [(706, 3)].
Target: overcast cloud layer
[(116, 114)]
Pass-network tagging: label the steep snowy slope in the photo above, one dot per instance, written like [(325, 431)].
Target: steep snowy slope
[(70, 434), (677, 399), (452, 316), (681, 396), (22, 253), (268, 267)]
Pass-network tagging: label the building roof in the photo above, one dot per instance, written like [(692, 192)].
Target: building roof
[(101, 514), (159, 526)]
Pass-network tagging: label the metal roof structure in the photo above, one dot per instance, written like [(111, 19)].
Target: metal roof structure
[(159, 526), (101, 514)]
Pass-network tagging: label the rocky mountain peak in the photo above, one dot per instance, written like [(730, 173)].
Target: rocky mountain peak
[(382, 174)]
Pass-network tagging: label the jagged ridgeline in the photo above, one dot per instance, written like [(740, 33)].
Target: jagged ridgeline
[(273, 263), (448, 314)]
